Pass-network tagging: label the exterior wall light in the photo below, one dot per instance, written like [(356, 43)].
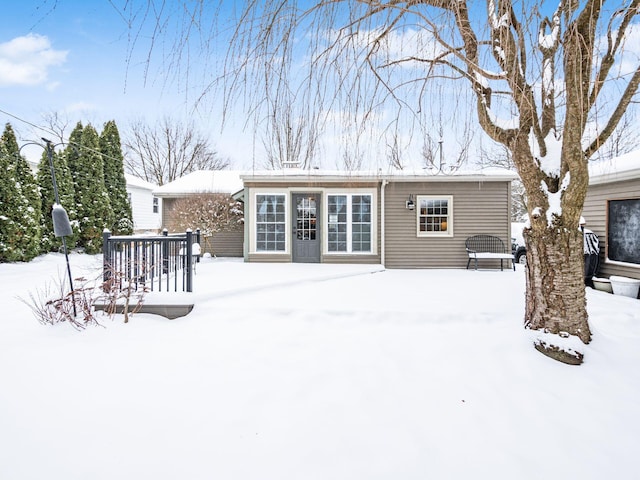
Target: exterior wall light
[(410, 205)]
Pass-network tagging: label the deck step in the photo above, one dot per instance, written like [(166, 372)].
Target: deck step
[(169, 311)]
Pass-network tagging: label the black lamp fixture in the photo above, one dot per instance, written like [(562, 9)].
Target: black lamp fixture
[(61, 223), (410, 205)]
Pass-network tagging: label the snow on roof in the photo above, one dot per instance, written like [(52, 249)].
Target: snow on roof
[(231, 181), (202, 181), (293, 174), (133, 181), (624, 167)]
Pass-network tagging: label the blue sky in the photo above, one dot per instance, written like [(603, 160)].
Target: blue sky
[(70, 57)]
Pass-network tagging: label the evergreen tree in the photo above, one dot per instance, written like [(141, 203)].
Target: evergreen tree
[(9, 229), (65, 191), (72, 153), (114, 179), (27, 209), (91, 197)]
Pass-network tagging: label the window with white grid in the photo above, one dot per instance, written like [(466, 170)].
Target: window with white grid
[(435, 216), (270, 223), (349, 223)]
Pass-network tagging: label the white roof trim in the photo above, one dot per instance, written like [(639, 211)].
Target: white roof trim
[(624, 167), (317, 176)]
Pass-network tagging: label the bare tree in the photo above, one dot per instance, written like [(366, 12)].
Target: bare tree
[(167, 150), (539, 77), (58, 124), (434, 158), (500, 157), (394, 153), (291, 137), (625, 139)]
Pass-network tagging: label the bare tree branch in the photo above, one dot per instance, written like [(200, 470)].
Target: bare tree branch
[(168, 150)]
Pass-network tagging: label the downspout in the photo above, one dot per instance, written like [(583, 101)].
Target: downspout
[(383, 227)]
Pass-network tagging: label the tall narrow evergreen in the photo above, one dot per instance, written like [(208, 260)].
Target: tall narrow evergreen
[(72, 152), (91, 197), (9, 229), (65, 192), (21, 203), (114, 179)]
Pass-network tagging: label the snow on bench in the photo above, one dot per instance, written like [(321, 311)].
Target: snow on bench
[(487, 247)]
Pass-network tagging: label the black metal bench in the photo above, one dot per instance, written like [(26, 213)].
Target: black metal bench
[(487, 247)]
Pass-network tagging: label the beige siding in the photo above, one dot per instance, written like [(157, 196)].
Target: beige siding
[(224, 244), (167, 209), (269, 258), (595, 213), (478, 207)]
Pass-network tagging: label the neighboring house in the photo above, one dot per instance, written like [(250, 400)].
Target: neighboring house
[(145, 207), (401, 220), (612, 211), (222, 244)]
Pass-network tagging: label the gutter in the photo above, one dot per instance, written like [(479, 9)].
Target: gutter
[(614, 176), (383, 227)]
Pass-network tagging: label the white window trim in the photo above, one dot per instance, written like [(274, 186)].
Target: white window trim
[(324, 192), (450, 219), (325, 220), (253, 241), (607, 259)]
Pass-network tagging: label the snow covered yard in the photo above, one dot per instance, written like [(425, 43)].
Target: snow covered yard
[(321, 372)]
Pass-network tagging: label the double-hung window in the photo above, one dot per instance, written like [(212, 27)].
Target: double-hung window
[(349, 223), (270, 223), (435, 216)]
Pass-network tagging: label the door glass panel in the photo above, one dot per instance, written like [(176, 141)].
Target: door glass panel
[(306, 218), (337, 223)]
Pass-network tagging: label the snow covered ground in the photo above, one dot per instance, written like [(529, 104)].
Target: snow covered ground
[(304, 372)]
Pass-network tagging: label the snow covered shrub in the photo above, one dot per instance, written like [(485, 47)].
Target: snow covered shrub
[(123, 226), (210, 212), (123, 292), (52, 305)]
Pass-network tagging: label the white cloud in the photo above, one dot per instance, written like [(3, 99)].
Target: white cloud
[(80, 107), (27, 60)]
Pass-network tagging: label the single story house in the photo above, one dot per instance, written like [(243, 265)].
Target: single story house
[(401, 219), (204, 182), (145, 207), (612, 211)]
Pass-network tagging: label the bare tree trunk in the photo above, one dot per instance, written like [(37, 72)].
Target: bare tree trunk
[(555, 300)]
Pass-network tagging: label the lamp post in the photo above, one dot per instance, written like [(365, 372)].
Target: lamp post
[(61, 223)]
